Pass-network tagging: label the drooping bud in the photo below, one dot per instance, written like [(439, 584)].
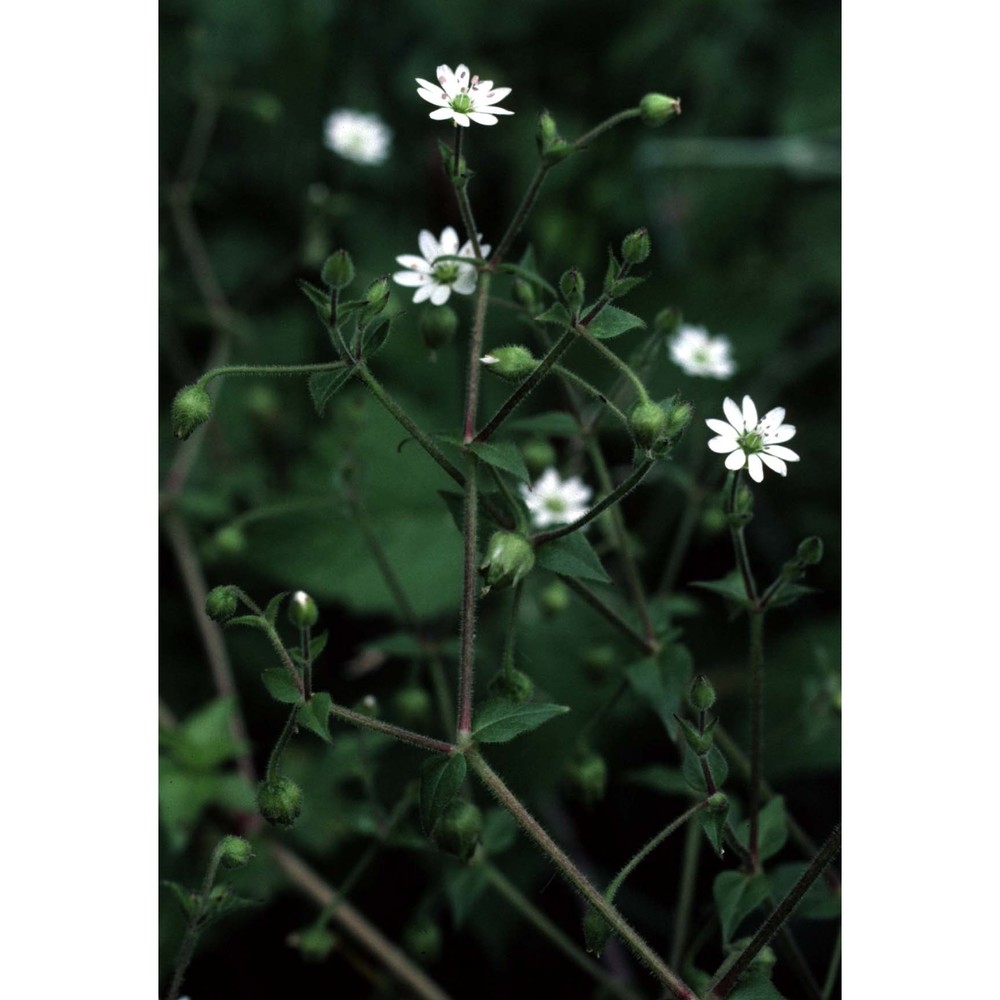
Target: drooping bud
[(538, 456), (438, 326), (572, 286), (596, 932), (636, 246), (221, 603), (810, 551), (459, 829), (302, 610), (524, 294), (509, 558), (338, 271), (516, 686), (279, 801), (658, 108), (412, 705), (554, 598), (234, 852), (192, 406), (587, 777), (512, 363), (648, 424), (422, 939), (315, 943)]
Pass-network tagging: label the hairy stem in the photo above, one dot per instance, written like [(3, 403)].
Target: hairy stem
[(327, 366), (470, 590), (756, 729), (271, 774), (609, 614), (685, 898), (396, 732)]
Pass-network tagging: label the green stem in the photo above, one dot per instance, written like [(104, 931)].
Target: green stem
[(614, 360), (521, 215), (508, 646), (723, 985), (608, 123), (756, 728), (609, 614), (279, 647), (514, 505), (470, 590), (685, 899), (327, 366), (612, 498), (831, 976), (577, 879), (591, 390), (271, 774), (396, 732), (740, 548)]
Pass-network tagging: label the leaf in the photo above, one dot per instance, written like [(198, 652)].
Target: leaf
[(204, 739), (772, 830), (754, 985), (572, 555), (440, 780), (691, 768), (659, 778), (714, 825), (612, 322), (556, 313), (500, 721), (315, 715), (376, 335), (455, 503), (789, 594), (187, 898), (623, 287), (317, 644), (273, 606), (736, 896), (322, 386), (223, 901), (463, 885), (820, 901), (555, 424), (503, 455), (280, 686), (319, 298), (662, 683), (529, 276), (730, 587), (499, 831), (252, 621)]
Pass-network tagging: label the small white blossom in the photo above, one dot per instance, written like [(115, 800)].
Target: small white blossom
[(358, 137), (699, 354), (489, 360), (437, 280), (552, 500), (745, 440), (463, 99)]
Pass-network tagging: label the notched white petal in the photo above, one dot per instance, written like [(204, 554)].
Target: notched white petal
[(736, 460), (774, 463), (781, 452), (481, 118), (733, 414), (720, 427), (410, 279), (749, 412), (723, 445), (755, 468)]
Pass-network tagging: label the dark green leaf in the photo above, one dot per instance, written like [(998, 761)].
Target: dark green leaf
[(556, 313), (789, 594), (660, 778), (554, 424), (322, 386), (694, 775), (730, 587), (376, 335), (772, 831), (187, 898), (572, 555), (736, 896), (714, 825), (500, 721), (273, 606), (503, 455), (499, 831), (624, 286), (820, 901), (319, 298), (612, 322), (317, 644), (463, 886), (440, 780), (280, 686), (315, 715), (662, 683)]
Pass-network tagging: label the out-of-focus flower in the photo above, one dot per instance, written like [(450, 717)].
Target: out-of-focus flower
[(699, 354), (463, 99), (745, 440), (358, 137), (436, 280), (552, 500)]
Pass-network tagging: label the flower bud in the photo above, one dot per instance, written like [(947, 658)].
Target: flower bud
[(221, 603), (714, 520), (587, 778), (338, 271), (701, 694), (599, 662), (192, 406), (658, 108), (234, 852), (315, 943), (538, 456), (718, 803), (279, 801), (377, 295), (230, 540), (810, 551), (302, 610), (412, 705), (438, 326), (668, 321), (512, 363), (524, 294), (554, 599), (422, 939), (648, 424), (636, 246), (596, 931), (678, 417), (572, 286), (551, 146), (509, 558), (459, 829), (517, 687)]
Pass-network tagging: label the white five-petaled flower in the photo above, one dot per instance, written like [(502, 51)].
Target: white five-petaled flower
[(699, 354), (552, 500), (745, 440), (434, 279), (358, 137), (463, 99)]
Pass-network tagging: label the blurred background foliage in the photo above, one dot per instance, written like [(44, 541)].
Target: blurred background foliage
[(742, 199)]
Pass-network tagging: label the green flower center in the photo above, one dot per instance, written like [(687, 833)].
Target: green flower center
[(556, 505), (446, 274), (461, 103), (701, 356), (751, 442)]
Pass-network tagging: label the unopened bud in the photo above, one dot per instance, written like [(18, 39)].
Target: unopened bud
[(524, 294), (648, 424), (678, 417), (438, 326), (701, 694), (596, 932), (377, 295), (230, 540), (810, 551), (412, 705), (279, 801), (587, 778), (718, 803), (192, 406), (459, 829), (368, 706), (572, 286), (234, 852), (538, 456), (221, 603), (422, 939), (636, 246), (658, 108), (315, 943), (509, 558), (513, 363), (302, 610), (515, 686), (554, 598), (551, 146), (338, 271)]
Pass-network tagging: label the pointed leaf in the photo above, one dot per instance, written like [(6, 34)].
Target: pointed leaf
[(772, 830), (820, 901), (662, 683), (317, 644), (556, 313), (377, 334), (554, 424), (714, 825), (572, 555), (659, 778), (273, 606), (789, 594), (319, 298), (463, 886), (612, 322), (440, 780), (730, 587), (322, 385), (736, 896), (695, 776), (315, 715), (187, 898), (500, 721), (503, 455), (280, 686)]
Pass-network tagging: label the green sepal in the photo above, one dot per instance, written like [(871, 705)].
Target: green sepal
[(273, 607), (612, 322), (700, 742), (440, 780), (736, 896), (187, 898), (572, 555), (280, 686), (319, 298), (556, 313), (314, 715), (322, 386), (500, 721)]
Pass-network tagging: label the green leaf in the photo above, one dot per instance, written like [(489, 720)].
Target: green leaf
[(315, 715), (455, 503), (623, 287), (736, 897), (280, 686), (503, 455), (820, 901), (463, 886), (500, 721), (730, 587), (223, 901), (440, 780), (319, 298), (772, 830), (789, 594), (572, 555), (553, 424), (612, 322), (691, 768), (317, 644), (499, 831), (662, 683), (556, 313), (755, 986), (204, 739), (187, 898), (376, 335), (714, 825), (273, 606), (322, 386), (660, 778), (252, 621)]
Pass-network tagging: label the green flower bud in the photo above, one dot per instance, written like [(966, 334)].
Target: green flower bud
[(678, 417), (459, 829), (554, 598), (412, 705), (718, 803), (230, 540), (422, 939), (512, 363), (279, 801), (551, 146), (596, 932), (701, 694), (810, 551), (599, 662), (192, 406), (700, 742), (524, 294), (714, 520), (587, 777), (302, 610), (658, 108), (538, 455), (315, 943), (571, 285), (648, 424), (338, 271), (509, 558), (438, 326), (221, 603), (377, 295), (636, 246), (234, 852), (518, 687), (668, 321)]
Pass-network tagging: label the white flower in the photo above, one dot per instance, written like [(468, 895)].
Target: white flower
[(699, 354), (462, 99), (436, 281), (752, 442), (358, 137), (556, 501)]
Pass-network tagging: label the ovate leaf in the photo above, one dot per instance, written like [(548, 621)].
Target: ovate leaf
[(440, 780), (612, 322), (314, 715), (695, 775), (322, 386), (736, 896), (280, 686), (572, 555), (500, 721), (503, 455)]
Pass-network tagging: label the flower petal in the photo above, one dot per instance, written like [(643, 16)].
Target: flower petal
[(773, 418), (774, 463), (733, 414), (719, 426), (465, 283), (447, 80), (441, 114), (780, 434), (411, 279), (449, 242), (439, 294), (736, 460), (462, 76), (755, 468), (781, 452), (749, 413), (435, 96), (461, 119), (493, 96), (428, 246), (723, 445), (424, 292), (481, 118), (413, 262)]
